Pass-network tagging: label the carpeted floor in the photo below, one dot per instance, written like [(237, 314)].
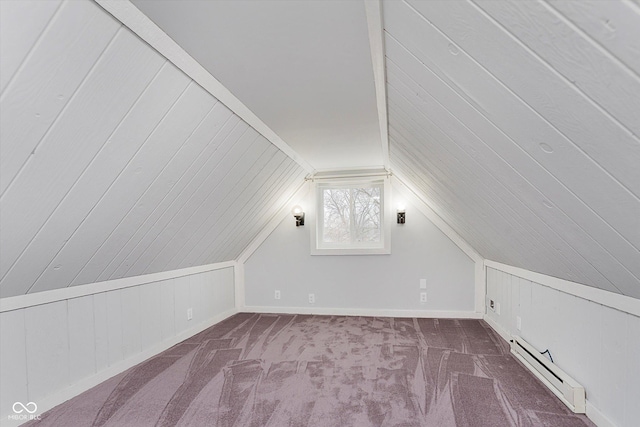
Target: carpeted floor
[(293, 370)]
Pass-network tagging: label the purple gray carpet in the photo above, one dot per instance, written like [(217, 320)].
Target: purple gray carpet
[(293, 370)]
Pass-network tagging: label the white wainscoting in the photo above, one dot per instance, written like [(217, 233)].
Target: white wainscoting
[(67, 343), (593, 339)]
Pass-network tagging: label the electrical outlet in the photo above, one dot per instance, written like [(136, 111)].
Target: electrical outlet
[(276, 295), (423, 297), (492, 305), (498, 308), (189, 313), (423, 283), (312, 298), (519, 323)]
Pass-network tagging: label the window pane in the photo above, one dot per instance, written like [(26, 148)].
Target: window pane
[(366, 218), (352, 215), (336, 227)]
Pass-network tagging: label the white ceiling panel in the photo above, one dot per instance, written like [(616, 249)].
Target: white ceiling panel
[(304, 67), (521, 129), (121, 164)]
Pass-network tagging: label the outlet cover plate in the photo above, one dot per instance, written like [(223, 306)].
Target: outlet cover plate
[(423, 297), (312, 298), (276, 294)]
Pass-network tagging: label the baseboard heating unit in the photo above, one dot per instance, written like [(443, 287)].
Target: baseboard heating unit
[(562, 385)]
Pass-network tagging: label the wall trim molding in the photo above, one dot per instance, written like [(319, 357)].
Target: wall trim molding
[(373, 10), (46, 297), (132, 18), (113, 370), (597, 417), (496, 327), (369, 312), (619, 302)]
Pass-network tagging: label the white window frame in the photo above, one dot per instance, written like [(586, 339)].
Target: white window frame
[(316, 225)]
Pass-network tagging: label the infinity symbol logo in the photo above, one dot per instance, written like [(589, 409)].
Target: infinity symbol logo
[(22, 407)]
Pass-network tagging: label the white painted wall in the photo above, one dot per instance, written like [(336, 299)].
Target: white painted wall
[(55, 350), (596, 344), (372, 284)]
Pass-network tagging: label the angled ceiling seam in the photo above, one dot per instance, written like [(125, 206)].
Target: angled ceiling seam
[(132, 18)]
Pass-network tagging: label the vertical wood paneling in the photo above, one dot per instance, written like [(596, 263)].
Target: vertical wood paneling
[(224, 294), (632, 392), (114, 327), (131, 321), (182, 302), (168, 323), (21, 24), (13, 359), (53, 71), (101, 322), (49, 347), (150, 315), (595, 344), (47, 344), (82, 338)]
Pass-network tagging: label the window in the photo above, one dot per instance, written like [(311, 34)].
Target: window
[(350, 218)]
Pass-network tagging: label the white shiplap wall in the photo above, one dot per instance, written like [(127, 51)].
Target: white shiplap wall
[(55, 350), (597, 345), (114, 163), (519, 121)]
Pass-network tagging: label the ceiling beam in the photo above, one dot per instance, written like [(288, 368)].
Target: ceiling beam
[(132, 18), (373, 9)]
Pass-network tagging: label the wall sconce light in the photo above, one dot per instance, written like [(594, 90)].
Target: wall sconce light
[(298, 213), (401, 214)]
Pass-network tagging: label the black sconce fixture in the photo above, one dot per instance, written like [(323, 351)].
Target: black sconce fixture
[(401, 215), (298, 213)]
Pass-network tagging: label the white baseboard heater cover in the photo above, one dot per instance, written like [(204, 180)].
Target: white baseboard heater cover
[(559, 382)]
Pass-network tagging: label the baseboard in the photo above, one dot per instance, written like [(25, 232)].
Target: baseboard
[(363, 312), (113, 370), (592, 412), (597, 417), (496, 327)]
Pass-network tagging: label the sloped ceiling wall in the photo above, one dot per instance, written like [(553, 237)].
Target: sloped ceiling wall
[(520, 122), (113, 162)]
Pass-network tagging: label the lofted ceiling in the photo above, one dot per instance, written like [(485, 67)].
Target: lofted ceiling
[(517, 122), (303, 67)]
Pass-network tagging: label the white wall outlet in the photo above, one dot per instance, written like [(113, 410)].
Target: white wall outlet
[(276, 294), (498, 308), (423, 283), (189, 313), (423, 297), (312, 298), (519, 323)]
